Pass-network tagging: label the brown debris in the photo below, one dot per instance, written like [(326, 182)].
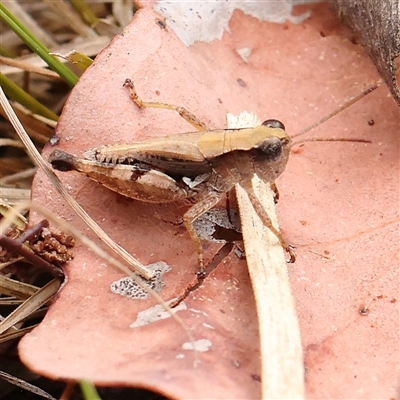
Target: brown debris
[(39, 245)]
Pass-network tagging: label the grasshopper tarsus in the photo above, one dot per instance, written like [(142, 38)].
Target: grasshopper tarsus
[(201, 275), (292, 254), (132, 92)]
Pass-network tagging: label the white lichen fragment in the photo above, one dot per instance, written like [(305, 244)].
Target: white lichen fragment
[(155, 313), (244, 120), (201, 345), (205, 21), (127, 287), (206, 225), (244, 53)]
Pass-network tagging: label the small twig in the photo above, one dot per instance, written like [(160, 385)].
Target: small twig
[(14, 246), (30, 233)]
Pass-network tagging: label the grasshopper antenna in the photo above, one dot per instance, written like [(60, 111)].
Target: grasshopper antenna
[(332, 114)]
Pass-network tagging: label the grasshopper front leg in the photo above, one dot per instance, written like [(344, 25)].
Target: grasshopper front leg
[(183, 112), (266, 219), (276, 192)]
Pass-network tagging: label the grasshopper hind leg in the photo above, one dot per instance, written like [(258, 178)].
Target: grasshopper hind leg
[(198, 209), (183, 112)]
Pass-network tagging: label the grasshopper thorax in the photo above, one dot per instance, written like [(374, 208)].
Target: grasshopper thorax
[(262, 150)]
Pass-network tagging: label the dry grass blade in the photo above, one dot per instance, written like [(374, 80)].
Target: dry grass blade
[(11, 287), (72, 18), (25, 385), (122, 12), (26, 66), (21, 13), (16, 334), (281, 351), (90, 47), (38, 130), (20, 221), (33, 303), (11, 143), (22, 194)]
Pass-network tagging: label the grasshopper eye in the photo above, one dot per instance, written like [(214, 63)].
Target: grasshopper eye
[(273, 123), (271, 148)]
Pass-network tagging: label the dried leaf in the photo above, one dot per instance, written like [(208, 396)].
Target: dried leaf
[(338, 206)]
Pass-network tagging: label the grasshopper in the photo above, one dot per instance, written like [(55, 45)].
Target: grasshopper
[(202, 166)]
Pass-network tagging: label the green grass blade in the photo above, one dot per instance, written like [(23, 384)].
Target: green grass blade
[(36, 46), (88, 390), (15, 93)]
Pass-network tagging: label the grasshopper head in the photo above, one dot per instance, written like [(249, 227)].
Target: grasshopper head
[(272, 153)]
